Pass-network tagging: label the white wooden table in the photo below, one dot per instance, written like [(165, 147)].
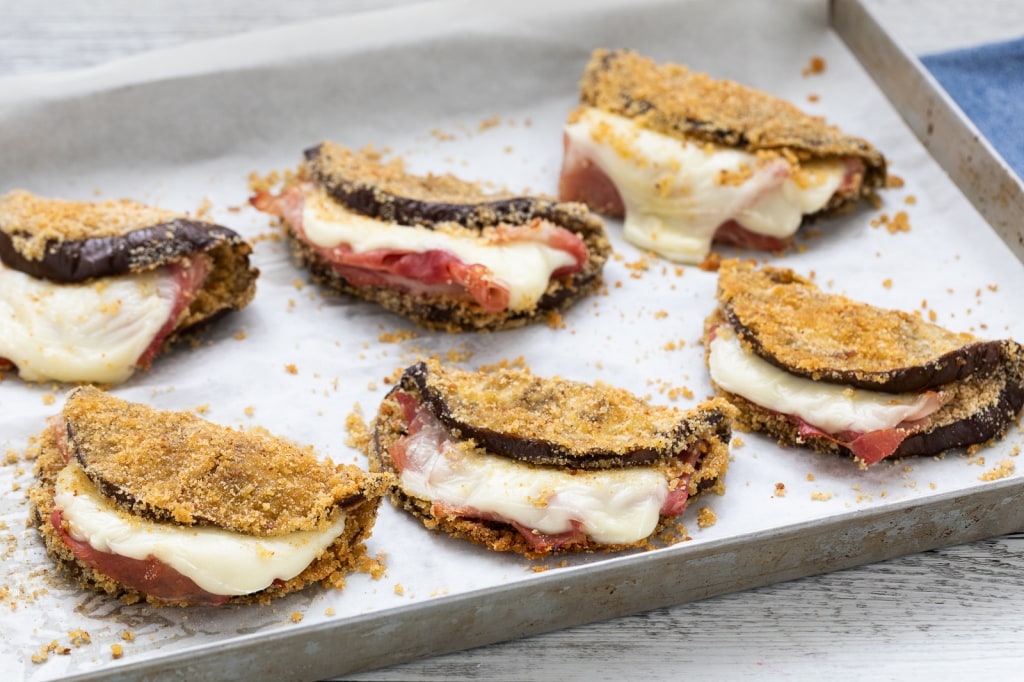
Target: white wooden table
[(945, 614)]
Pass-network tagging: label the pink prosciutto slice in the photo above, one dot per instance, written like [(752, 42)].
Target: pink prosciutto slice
[(149, 576), (188, 277)]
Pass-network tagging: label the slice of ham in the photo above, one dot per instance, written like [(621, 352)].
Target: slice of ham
[(188, 277), (538, 541), (149, 576), (426, 436), (582, 180), (432, 272), (870, 447)]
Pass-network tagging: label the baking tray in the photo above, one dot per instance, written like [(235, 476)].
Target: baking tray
[(481, 90)]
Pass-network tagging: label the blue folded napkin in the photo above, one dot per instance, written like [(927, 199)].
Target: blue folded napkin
[(988, 84)]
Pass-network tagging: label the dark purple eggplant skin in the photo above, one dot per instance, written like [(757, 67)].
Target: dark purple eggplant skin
[(985, 424), (374, 202), (72, 261), (415, 380), (975, 359)]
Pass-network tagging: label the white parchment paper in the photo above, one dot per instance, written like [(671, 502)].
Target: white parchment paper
[(480, 90)]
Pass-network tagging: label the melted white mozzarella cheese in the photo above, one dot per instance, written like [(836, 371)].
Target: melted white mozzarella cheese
[(522, 267), (92, 332), (830, 407), (615, 506), (672, 193), (219, 561)]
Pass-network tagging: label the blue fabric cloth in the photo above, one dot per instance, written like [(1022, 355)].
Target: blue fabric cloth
[(988, 84)]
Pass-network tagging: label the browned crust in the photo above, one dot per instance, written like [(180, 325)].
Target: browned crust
[(177, 467), (557, 422), (709, 434), (672, 100), (341, 557), (387, 192), (787, 320)]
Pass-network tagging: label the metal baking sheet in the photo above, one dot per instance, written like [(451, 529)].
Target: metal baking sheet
[(482, 90)]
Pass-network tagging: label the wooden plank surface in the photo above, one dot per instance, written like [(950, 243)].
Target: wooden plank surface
[(955, 612)]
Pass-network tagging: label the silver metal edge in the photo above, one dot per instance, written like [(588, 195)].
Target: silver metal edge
[(620, 586), (949, 136)]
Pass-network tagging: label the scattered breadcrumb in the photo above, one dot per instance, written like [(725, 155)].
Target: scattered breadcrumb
[(738, 442), (398, 336), (900, 222), (128, 636), (887, 283), (711, 262), (357, 429), (399, 589), (813, 97), (910, 200), (249, 410), (821, 497), (492, 122), (894, 181), (1002, 470), (810, 477), (815, 66), (79, 637), (239, 335), (291, 368), (204, 208), (780, 490), (49, 399), (706, 517), (296, 617), (116, 651), (329, 611), (554, 320)]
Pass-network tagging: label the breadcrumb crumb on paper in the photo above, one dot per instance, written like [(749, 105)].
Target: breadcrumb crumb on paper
[(815, 66), (1004, 469)]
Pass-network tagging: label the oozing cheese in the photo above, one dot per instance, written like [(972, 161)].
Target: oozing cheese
[(677, 193), (615, 506), (830, 407), (219, 561), (91, 332), (522, 267)]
